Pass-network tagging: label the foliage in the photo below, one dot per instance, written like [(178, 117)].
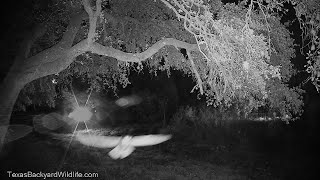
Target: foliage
[(209, 125), (38, 93), (308, 14), (243, 57), (243, 48), (200, 116), (148, 111), (287, 100)]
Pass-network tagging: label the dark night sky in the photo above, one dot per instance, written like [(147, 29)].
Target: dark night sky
[(12, 27)]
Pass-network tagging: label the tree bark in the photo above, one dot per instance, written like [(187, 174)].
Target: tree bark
[(25, 70), (9, 92)]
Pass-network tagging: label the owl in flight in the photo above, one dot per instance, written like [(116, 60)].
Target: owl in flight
[(124, 146)]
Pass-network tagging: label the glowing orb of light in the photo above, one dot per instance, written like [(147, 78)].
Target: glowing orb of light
[(122, 102), (80, 114), (246, 65), (128, 101)]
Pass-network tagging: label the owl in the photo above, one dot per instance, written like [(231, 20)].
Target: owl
[(123, 146)]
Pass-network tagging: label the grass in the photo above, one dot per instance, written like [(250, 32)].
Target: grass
[(172, 160), (246, 150), (153, 164)]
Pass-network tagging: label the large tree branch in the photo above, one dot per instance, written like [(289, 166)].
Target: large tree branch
[(138, 57), (25, 46), (199, 81), (93, 17), (53, 67), (37, 33), (60, 56), (57, 51), (87, 7), (68, 56), (72, 29)]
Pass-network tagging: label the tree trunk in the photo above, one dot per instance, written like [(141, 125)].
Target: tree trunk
[(9, 91), (25, 70)]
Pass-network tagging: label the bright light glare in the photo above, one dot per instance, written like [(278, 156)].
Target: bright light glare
[(246, 65), (80, 114)]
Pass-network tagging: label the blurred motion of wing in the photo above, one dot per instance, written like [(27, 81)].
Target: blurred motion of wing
[(124, 146), (121, 152), (48, 122), (128, 101), (149, 140), (16, 131), (52, 121), (98, 141), (127, 144)]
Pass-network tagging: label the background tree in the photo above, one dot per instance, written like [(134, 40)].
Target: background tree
[(308, 15), (234, 52)]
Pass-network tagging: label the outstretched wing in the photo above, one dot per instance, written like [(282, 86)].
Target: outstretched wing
[(98, 141), (149, 140)]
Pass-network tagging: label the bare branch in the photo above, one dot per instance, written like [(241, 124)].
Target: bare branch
[(65, 57), (25, 47), (98, 8), (199, 81), (87, 7), (37, 33), (93, 17), (56, 51), (72, 29), (138, 57)]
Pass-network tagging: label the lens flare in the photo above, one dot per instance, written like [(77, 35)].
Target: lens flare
[(80, 114)]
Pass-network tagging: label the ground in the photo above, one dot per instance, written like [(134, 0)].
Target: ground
[(177, 158)]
